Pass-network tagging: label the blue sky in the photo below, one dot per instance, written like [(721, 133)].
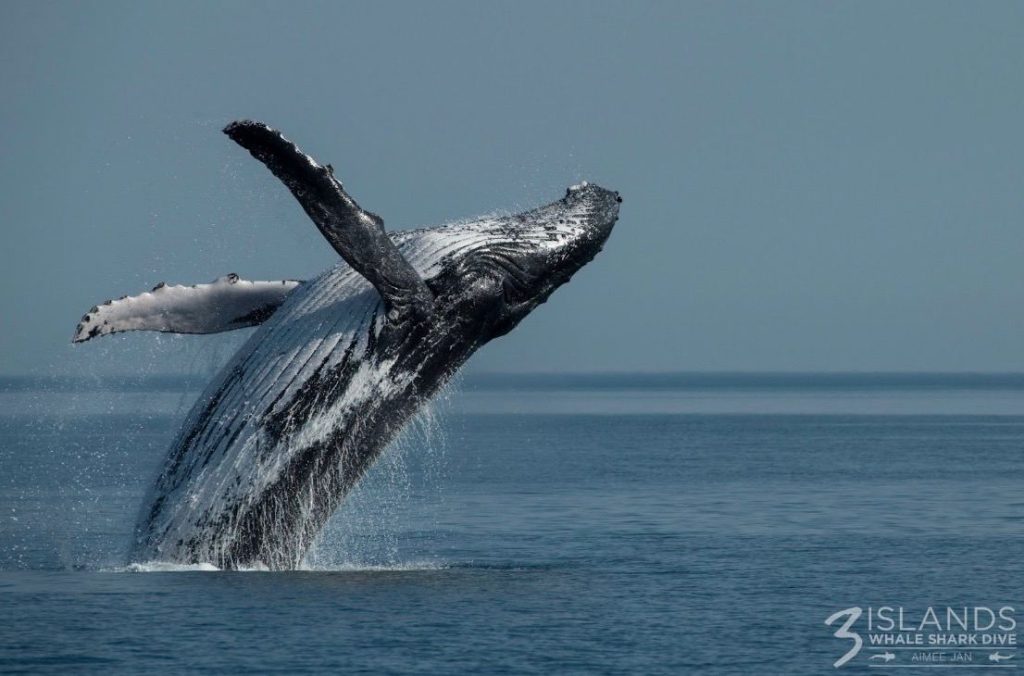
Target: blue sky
[(808, 185)]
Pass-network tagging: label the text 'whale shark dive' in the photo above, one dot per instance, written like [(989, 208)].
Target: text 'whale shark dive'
[(339, 363)]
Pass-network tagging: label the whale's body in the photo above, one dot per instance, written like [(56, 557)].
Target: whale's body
[(311, 389), (293, 421)]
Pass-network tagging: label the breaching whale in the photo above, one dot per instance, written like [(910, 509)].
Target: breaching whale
[(339, 363)]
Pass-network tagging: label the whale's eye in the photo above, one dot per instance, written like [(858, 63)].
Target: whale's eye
[(510, 292)]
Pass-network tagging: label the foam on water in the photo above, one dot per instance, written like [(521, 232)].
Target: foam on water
[(399, 567), (350, 567), (164, 567)]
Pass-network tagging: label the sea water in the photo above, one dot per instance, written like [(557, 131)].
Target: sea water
[(654, 524)]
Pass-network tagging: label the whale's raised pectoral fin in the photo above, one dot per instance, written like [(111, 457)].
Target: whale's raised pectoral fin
[(357, 235), (225, 304)]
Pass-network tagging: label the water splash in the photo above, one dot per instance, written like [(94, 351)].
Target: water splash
[(389, 519), (103, 437)]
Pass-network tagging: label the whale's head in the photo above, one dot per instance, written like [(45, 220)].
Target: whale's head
[(507, 266)]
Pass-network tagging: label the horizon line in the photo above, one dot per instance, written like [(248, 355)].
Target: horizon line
[(580, 372)]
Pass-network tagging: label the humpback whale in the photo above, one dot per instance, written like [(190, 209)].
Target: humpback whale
[(338, 364)]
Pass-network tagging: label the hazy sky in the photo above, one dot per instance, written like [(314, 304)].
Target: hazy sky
[(808, 186)]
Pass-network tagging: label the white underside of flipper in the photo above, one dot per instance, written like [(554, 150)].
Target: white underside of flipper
[(223, 305)]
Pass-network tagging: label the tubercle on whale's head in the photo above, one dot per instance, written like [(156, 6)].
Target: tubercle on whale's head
[(540, 250)]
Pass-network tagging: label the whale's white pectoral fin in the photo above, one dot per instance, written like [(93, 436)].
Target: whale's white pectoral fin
[(357, 235), (225, 304)]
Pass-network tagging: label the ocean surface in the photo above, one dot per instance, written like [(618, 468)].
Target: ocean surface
[(663, 524)]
